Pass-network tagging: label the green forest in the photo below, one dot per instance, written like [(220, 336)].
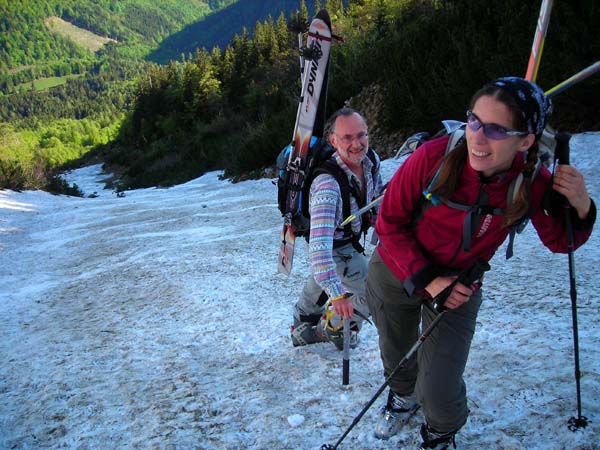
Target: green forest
[(160, 121), (60, 97)]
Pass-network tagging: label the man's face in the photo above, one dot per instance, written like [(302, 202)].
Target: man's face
[(350, 139)]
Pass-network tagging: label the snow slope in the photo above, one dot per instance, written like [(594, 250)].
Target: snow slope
[(158, 321)]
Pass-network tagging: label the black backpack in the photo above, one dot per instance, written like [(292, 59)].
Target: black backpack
[(319, 160)]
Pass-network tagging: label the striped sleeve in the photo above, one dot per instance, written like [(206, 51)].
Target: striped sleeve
[(325, 206)]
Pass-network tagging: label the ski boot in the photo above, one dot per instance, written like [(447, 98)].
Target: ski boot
[(304, 333), (435, 440), (395, 414)]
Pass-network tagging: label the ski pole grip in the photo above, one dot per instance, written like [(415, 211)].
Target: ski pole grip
[(561, 156), (466, 277), (561, 152)]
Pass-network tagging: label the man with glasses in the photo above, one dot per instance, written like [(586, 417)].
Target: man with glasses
[(336, 287)]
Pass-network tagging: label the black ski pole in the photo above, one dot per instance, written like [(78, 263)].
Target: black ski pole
[(562, 157), (468, 277)]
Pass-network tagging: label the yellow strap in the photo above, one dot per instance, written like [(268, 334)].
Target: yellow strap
[(329, 313), (338, 298)]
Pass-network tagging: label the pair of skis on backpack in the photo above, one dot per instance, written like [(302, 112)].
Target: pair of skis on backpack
[(309, 122)]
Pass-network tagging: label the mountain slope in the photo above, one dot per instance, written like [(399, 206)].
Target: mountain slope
[(138, 25), (219, 28), (157, 321)]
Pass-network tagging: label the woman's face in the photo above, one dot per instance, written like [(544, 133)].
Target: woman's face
[(490, 156)]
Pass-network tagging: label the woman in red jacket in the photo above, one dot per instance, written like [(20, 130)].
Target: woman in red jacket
[(425, 241)]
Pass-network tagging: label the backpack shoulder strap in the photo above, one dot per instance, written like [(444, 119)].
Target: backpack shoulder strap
[(456, 138), (319, 151), (513, 189), (373, 157)]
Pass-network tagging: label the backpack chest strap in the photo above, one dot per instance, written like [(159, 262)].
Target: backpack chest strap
[(473, 217)]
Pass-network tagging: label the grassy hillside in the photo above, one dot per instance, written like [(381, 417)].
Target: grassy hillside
[(42, 84), (69, 69), (83, 38)]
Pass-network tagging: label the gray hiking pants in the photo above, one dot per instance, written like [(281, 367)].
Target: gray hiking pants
[(351, 267), (436, 374)]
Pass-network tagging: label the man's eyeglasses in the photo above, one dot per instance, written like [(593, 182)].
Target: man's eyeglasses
[(491, 130), (348, 139)]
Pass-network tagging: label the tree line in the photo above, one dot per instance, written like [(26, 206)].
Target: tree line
[(234, 110), (42, 131), (104, 90), (209, 106)]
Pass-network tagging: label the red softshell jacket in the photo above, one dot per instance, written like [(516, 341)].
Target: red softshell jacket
[(417, 251)]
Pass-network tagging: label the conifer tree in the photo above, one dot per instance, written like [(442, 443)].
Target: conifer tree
[(282, 34), (334, 7), (303, 10)]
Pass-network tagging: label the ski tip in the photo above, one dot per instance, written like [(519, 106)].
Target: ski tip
[(324, 16)]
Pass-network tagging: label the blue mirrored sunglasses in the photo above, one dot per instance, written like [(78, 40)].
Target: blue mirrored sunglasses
[(491, 130)]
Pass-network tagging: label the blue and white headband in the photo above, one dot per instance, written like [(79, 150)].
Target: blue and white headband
[(535, 106)]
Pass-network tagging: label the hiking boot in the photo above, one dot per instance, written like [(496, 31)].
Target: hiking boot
[(436, 440), (395, 414), (303, 333), (326, 334)]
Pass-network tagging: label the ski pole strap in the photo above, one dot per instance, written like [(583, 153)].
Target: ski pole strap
[(339, 297), (329, 313)]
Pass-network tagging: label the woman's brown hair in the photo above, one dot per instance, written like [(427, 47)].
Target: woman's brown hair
[(454, 161)]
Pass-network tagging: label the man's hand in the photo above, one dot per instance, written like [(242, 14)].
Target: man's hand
[(344, 307)]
